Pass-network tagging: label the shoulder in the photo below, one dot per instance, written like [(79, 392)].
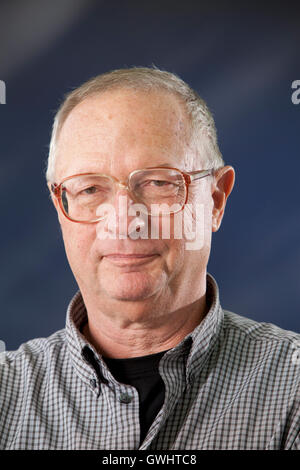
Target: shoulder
[(241, 326), (31, 356), (267, 358), (25, 375), (37, 347), (263, 345)]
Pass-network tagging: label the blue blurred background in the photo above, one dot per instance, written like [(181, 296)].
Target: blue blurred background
[(241, 58)]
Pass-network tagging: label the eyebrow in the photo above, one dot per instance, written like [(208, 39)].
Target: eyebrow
[(168, 165), (82, 171), (164, 164)]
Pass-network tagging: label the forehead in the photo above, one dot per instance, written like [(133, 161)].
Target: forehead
[(121, 130)]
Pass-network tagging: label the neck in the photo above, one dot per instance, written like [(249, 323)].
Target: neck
[(123, 332)]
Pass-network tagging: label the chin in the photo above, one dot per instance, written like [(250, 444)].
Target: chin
[(133, 286)]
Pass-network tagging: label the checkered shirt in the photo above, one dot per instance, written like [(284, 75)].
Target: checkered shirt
[(232, 383)]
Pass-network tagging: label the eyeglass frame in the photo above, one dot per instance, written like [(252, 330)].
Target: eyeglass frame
[(188, 177)]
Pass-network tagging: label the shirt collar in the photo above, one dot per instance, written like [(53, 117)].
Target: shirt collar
[(206, 334), (79, 349), (196, 345)]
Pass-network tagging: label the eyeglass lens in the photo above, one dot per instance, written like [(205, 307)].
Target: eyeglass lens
[(82, 195)]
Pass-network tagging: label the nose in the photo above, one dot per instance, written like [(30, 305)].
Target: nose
[(118, 222), (122, 201)]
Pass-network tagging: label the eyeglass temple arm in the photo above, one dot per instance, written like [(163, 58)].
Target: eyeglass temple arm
[(55, 189), (197, 175)]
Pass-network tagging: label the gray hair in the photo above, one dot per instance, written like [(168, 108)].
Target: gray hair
[(203, 131)]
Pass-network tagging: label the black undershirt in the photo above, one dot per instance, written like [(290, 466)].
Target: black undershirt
[(142, 373)]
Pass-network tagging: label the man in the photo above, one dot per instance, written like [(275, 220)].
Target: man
[(148, 358)]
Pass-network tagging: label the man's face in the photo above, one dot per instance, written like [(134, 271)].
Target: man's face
[(115, 133)]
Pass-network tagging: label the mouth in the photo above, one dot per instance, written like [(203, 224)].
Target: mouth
[(130, 259)]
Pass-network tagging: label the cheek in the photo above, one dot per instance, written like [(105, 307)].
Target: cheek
[(78, 240), (201, 206), (175, 257)]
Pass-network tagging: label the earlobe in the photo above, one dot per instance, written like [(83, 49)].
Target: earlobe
[(222, 187)]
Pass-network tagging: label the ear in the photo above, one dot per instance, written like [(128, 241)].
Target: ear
[(223, 183)]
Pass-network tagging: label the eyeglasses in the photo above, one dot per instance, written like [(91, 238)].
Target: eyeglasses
[(80, 196)]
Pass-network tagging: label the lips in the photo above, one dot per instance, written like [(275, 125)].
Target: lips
[(129, 255), (123, 259)]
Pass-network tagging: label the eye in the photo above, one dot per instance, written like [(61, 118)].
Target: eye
[(90, 190), (159, 182)]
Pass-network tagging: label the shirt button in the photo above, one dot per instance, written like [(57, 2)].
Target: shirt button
[(125, 398), (93, 383)]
